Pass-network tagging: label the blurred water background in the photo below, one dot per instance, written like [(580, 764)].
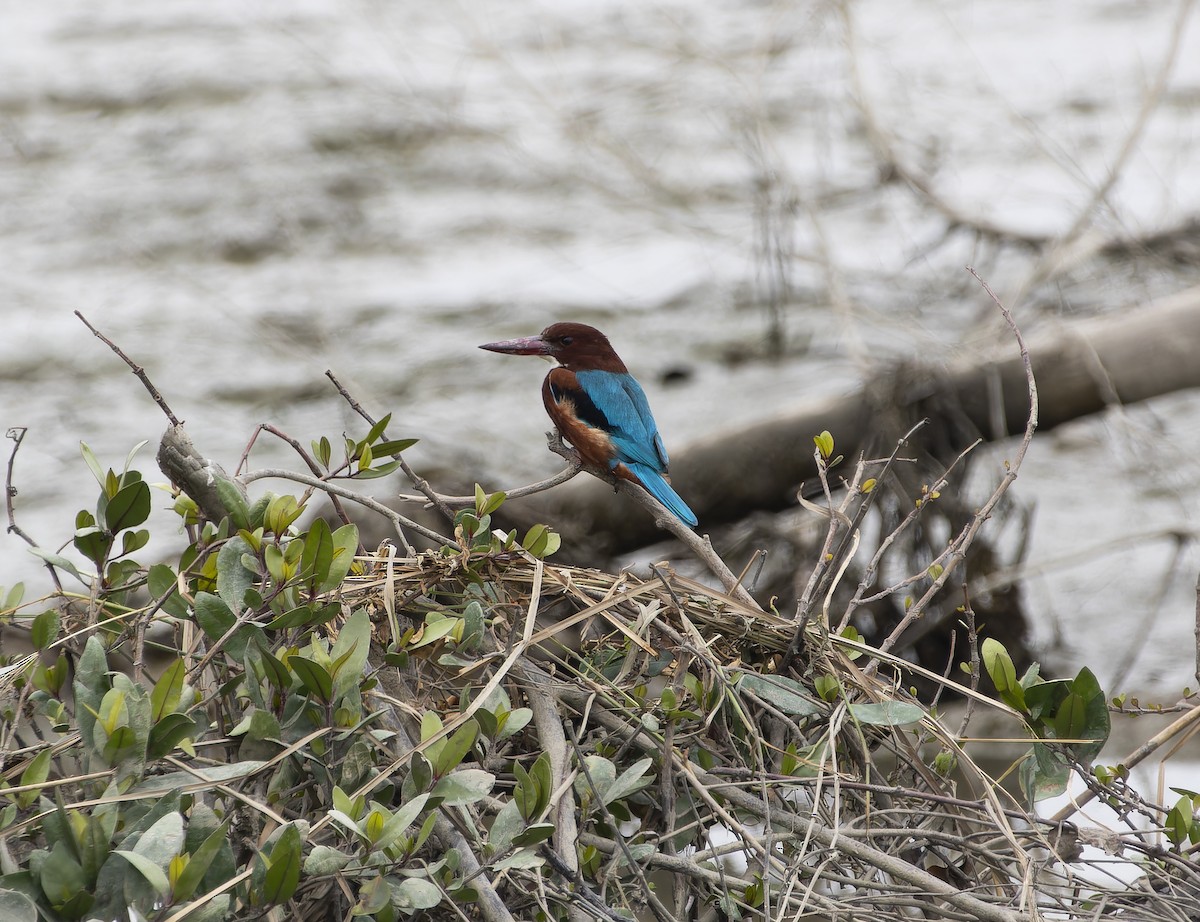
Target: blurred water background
[(245, 194)]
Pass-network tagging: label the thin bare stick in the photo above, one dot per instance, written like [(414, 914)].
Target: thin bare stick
[(516, 492), (1198, 631), (137, 369), (417, 480), (973, 646), (17, 434)]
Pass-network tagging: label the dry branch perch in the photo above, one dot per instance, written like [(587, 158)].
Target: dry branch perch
[(1081, 369)]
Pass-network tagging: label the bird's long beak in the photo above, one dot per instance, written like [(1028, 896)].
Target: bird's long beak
[(529, 345)]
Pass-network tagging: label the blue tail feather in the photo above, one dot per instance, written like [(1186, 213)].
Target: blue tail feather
[(661, 490)]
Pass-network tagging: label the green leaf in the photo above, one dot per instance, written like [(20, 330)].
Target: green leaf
[(168, 733), (601, 772), (233, 500), (13, 599), (455, 749), (155, 876), (824, 443), (1179, 821), (394, 447), (36, 772), (44, 630), (94, 544), (168, 690), (129, 508), (786, 694), (1043, 774), (365, 457), (525, 858), (378, 429), (258, 725), (57, 561), (486, 504), (379, 470), (323, 451), (233, 576), (93, 463), (434, 631), (505, 827), (1003, 673), (215, 619), (1070, 719), (345, 545), (160, 580), (61, 876), (90, 685), (283, 867), (199, 863), (632, 780), (533, 834), (210, 776), (17, 907), (312, 676), (317, 555), (887, 713), (305, 616), (133, 541), (416, 893), (213, 615), (514, 722), (465, 786), (349, 653), (281, 512), (398, 822), (323, 860)]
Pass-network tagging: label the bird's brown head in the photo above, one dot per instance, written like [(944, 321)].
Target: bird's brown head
[(575, 346)]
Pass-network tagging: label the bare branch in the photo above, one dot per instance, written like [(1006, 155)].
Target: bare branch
[(137, 369)]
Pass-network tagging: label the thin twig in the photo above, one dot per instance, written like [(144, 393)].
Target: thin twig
[(137, 369), (973, 646), (17, 434)]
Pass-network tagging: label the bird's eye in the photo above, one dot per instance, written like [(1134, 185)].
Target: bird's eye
[(566, 340)]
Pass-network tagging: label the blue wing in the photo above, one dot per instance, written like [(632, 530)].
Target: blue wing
[(626, 417)]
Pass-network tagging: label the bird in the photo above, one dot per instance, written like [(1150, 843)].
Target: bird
[(599, 407)]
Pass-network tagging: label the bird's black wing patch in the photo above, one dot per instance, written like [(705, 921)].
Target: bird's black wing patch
[(586, 410)]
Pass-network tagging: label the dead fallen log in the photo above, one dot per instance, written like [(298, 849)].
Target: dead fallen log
[(1081, 369)]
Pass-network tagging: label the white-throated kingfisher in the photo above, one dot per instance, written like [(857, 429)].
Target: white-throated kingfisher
[(598, 406)]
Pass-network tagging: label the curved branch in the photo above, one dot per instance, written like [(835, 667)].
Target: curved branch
[(574, 466)]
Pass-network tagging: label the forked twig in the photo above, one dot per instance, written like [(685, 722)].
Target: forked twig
[(417, 480)]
